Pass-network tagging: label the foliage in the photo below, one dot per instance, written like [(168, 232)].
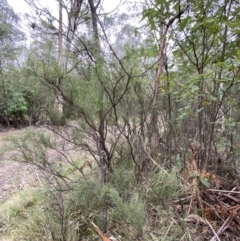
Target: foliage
[(19, 212), (162, 187), (134, 98), (17, 108)]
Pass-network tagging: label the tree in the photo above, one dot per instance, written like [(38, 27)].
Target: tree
[(10, 40), (202, 32), (94, 97), (134, 106)]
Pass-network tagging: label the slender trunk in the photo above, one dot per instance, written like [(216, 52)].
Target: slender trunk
[(64, 48), (58, 102), (200, 106), (5, 105), (101, 144), (169, 108), (60, 47), (219, 109), (154, 132)]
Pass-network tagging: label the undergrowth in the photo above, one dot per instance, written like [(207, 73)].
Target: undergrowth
[(138, 209), (135, 211)]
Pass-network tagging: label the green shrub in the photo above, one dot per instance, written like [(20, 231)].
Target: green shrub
[(123, 179), (162, 186), (16, 108)]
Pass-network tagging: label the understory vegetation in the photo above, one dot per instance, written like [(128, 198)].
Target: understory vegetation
[(120, 124)]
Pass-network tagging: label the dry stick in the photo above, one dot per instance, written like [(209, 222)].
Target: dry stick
[(195, 218), (223, 227), (153, 237), (39, 180), (225, 191), (101, 234), (180, 200), (183, 237), (215, 234), (150, 158), (171, 224), (190, 205)]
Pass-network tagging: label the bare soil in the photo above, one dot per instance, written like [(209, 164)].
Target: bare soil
[(14, 176)]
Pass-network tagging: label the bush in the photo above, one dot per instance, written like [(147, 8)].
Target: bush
[(162, 187), (17, 108)]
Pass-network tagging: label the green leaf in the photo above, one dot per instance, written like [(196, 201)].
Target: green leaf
[(205, 182), (232, 25), (183, 23)]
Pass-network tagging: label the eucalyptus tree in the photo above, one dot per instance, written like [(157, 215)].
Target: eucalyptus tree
[(162, 17), (203, 41)]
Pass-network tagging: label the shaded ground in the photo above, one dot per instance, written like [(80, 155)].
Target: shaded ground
[(13, 176), (207, 204)]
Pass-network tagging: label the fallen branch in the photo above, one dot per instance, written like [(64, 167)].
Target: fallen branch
[(223, 191), (170, 226), (195, 218)]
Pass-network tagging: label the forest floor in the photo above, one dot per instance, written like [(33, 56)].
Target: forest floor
[(222, 206), (14, 176), (22, 184)]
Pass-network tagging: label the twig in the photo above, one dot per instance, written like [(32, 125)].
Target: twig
[(150, 158), (195, 218), (180, 200), (171, 224), (183, 237), (215, 234), (153, 237), (190, 206), (101, 234), (223, 227), (37, 175), (224, 191)]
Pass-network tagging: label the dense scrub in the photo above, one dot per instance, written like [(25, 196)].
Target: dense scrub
[(134, 122)]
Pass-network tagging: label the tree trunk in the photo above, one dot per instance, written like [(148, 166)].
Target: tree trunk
[(101, 141), (63, 50), (154, 132), (58, 102), (5, 105)]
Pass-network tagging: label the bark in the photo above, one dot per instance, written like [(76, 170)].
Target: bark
[(101, 234), (154, 133), (4, 97), (58, 102), (219, 111), (162, 52), (64, 47), (101, 142)]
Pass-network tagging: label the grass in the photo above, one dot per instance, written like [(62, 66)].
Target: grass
[(18, 210), (35, 213), (136, 209)]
